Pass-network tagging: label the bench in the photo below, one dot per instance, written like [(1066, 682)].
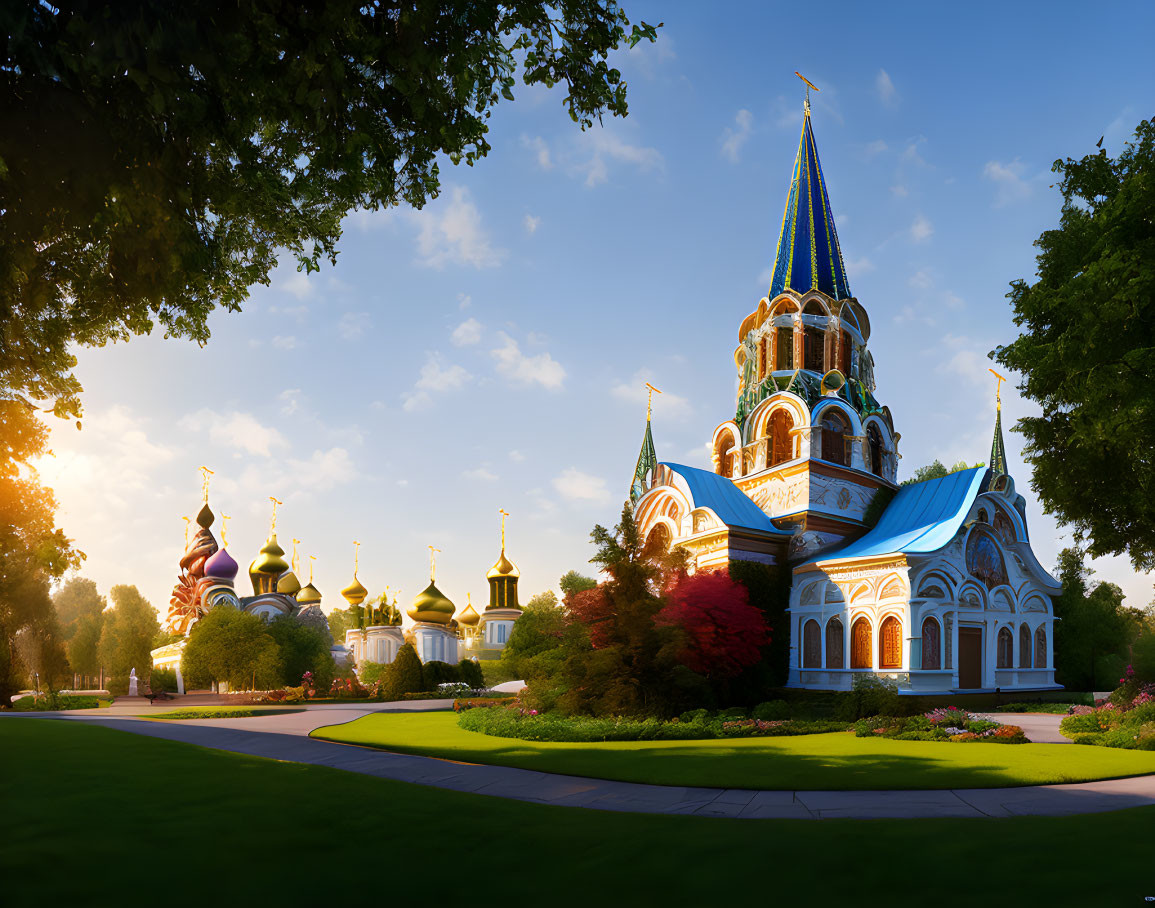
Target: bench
[(158, 695)]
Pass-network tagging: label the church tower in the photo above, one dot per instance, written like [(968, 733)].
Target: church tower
[(809, 445)]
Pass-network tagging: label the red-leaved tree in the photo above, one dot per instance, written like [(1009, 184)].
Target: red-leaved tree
[(724, 633)]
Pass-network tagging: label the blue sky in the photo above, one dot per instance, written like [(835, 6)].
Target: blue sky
[(490, 350)]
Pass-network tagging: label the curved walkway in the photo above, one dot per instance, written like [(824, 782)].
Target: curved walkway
[(285, 737)]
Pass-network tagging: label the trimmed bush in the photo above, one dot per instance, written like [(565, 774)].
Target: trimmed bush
[(162, 679), (436, 673), (403, 675), (469, 672), (772, 710)]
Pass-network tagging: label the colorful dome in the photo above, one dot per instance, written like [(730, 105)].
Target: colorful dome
[(309, 595), (205, 517), (503, 568), (432, 606), (271, 561), (469, 617), (288, 583), (221, 565), (355, 593)]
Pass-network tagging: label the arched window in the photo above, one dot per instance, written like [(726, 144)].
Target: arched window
[(874, 440), (811, 645), (779, 444), (860, 651), (813, 349), (726, 456), (658, 540), (1006, 646), (1040, 647), (890, 643), (834, 429), (931, 651), (834, 643), (1024, 646), (783, 349)]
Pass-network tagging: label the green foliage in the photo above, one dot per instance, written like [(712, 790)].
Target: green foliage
[(84, 645), (76, 600), (470, 674), (162, 679), (341, 620), (371, 672), (403, 675), (232, 646), (1087, 353), (220, 712), (436, 673), (302, 648), (127, 634), (533, 650), (157, 156), (768, 589), (879, 502), (870, 696), (53, 702), (772, 710), (572, 582), (937, 471), (495, 671)]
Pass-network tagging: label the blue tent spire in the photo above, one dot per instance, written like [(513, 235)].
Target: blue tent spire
[(808, 253)]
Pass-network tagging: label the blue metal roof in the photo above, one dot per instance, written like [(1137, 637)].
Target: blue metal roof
[(923, 517), (719, 494)]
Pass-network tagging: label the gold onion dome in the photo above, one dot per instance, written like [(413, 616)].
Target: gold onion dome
[(271, 561), (355, 593), (309, 595), (432, 606), (469, 617), (288, 583), (205, 517), (503, 568)]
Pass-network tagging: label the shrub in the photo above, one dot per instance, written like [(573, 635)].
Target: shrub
[(436, 673), (480, 702), (404, 675), (771, 710), (870, 696), (470, 673), (162, 679), (53, 702), (371, 672), (734, 712)]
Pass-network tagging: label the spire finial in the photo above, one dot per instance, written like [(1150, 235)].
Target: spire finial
[(205, 474), (650, 392), (273, 525), (998, 388), (225, 518), (187, 521), (356, 557), (312, 558), (809, 85), (504, 513), (433, 564), (296, 564)]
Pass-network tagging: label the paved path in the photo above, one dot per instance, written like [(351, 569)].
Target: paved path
[(1040, 728), (285, 737)]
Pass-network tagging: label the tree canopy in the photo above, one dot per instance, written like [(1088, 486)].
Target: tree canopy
[(1087, 353), (127, 635), (232, 646), (155, 156)]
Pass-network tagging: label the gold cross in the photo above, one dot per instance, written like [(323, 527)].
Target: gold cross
[(312, 558), (296, 565), (186, 523), (273, 525), (998, 388), (504, 513), (650, 399), (809, 85), (205, 474), (225, 518), (356, 557), (433, 564)]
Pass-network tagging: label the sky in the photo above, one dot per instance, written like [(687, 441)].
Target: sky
[(490, 351)]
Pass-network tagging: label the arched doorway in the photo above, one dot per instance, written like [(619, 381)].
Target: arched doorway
[(811, 645), (780, 446), (890, 643), (861, 655)]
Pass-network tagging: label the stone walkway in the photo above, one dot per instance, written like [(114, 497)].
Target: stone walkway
[(285, 737)]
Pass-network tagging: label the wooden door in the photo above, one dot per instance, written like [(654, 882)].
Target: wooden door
[(860, 654), (970, 658)]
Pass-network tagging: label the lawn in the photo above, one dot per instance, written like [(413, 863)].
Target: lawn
[(103, 817), (806, 762)]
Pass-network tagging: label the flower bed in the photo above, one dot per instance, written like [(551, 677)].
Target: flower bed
[(947, 723), (1127, 720), (516, 722)]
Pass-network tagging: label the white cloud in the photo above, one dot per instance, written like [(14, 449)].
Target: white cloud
[(541, 369), (735, 136), (921, 280), (537, 145), (859, 266), (297, 284), (667, 405), (285, 342), (885, 88), (921, 230), (606, 147), (352, 325), (467, 333), (899, 191), (1009, 180), (292, 401), (531, 224), (451, 233), (435, 377), (481, 474), (464, 301), (574, 485), (874, 148), (516, 456), (242, 431), (910, 154)]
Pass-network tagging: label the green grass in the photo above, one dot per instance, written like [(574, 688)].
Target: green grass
[(218, 712), (103, 817), (809, 762), (1057, 709)]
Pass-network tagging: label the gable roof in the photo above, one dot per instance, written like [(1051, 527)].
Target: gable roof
[(923, 517), (719, 494)]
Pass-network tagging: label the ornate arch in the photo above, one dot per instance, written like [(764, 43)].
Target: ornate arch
[(726, 445), (756, 424), (932, 580), (835, 643)]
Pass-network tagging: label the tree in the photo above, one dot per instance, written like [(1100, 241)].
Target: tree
[(723, 633), (340, 620), (75, 600), (403, 675), (231, 646), (156, 155), (127, 635), (84, 647), (533, 649), (1087, 353), (572, 582), (936, 470), (302, 649)]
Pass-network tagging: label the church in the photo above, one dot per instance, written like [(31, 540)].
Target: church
[(931, 585)]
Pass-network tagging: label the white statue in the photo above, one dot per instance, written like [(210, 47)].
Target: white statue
[(132, 683)]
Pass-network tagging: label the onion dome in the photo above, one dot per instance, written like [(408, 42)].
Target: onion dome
[(503, 568), (288, 583), (309, 595), (432, 606), (355, 593), (469, 617), (221, 565), (271, 562), (205, 517)]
